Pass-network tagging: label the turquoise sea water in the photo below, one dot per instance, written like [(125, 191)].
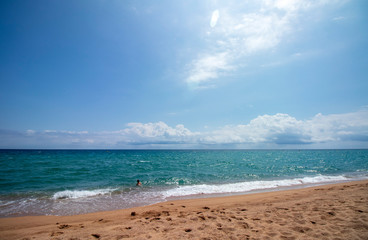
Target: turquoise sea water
[(65, 182)]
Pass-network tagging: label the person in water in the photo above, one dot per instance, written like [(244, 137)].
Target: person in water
[(139, 183)]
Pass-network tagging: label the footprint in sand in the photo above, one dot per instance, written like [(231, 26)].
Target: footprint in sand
[(151, 214), (53, 234), (202, 217), (102, 220), (243, 224), (166, 213), (155, 219), (202, 227), (122, 236), (301, 229), (331, 213), (272, 234), (63, 226)]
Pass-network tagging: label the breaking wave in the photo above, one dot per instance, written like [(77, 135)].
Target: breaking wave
[(251, 186), (73, 194)]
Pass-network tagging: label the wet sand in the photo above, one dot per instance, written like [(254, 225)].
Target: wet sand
[(338, 212)]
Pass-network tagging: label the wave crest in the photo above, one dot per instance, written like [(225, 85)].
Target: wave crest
[(250, 186), (74, 194)]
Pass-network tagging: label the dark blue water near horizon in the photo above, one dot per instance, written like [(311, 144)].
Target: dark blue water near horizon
[(64, 182)]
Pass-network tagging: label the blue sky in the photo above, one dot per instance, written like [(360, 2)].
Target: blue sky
[(184, 74)]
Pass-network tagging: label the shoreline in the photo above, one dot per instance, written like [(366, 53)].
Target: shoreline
[(333, 211), (101, 202), (258, 191)]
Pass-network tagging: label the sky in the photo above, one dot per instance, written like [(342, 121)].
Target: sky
[(254, 74)]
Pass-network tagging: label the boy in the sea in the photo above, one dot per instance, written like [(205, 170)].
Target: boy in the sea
[(139, 183)]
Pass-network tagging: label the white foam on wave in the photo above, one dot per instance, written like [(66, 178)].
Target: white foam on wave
[(249, 186), (74, 194)]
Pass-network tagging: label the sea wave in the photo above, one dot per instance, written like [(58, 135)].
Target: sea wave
[(73, 194), (243, 187)]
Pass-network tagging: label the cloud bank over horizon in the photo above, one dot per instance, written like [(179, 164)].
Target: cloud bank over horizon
[(348, 130)]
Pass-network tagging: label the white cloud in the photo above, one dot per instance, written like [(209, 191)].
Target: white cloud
[(291, 5), (214, 18), (30, 132), (243, 34), (285, 129), (334, 130), (263, 129), (208, 67), (153, 130)]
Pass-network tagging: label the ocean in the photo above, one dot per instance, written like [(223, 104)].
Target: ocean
[(68, 182)]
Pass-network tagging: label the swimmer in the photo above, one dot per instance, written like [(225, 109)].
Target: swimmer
[(139, 183)]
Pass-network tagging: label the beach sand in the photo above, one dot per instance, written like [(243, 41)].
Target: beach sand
[(338, 211)]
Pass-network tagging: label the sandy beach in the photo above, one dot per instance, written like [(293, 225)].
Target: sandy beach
[(338, 211)]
